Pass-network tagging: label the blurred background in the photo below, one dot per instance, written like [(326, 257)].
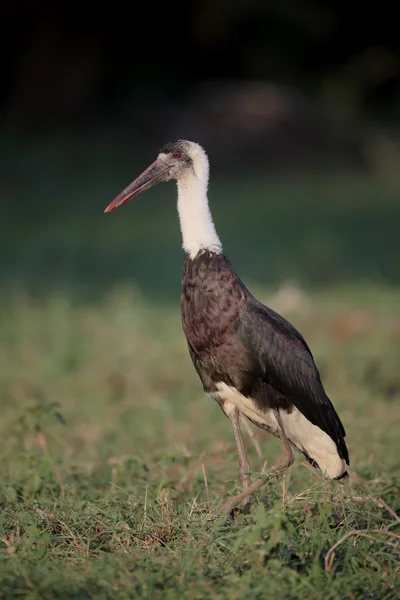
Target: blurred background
[(296, 101)]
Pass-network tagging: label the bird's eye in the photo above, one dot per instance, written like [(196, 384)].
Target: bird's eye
[(177, 155)]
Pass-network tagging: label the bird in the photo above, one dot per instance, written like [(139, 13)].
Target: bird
[(249, 358)]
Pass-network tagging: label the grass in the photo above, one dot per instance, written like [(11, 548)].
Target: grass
[(113, 462)]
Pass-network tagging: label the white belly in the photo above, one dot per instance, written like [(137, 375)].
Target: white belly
[(300, 431)]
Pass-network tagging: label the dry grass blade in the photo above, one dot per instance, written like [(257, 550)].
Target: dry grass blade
[(330, 555), (206, 486), (382, 504)]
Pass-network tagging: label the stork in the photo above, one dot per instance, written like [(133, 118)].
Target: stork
[(249, 358)]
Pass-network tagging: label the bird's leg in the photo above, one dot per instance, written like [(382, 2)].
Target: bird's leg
[(287, 458), (250, 433), (244, 466)]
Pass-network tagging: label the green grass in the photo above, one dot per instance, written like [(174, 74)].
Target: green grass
[(113, 463)]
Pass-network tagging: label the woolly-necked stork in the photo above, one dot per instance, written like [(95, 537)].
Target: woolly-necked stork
[(248, 357)]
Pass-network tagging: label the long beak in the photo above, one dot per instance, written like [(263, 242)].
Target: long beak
[(152, 175)]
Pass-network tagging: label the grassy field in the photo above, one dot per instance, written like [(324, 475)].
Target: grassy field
[(113, 463)]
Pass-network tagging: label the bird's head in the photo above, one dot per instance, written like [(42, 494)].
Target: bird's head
[(176, 160)]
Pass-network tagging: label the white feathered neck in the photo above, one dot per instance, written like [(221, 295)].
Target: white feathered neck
[(197, 226)]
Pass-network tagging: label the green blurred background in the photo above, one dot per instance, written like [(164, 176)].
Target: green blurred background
[(297, 104)]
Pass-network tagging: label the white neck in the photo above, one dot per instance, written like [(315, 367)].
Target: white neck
[(198, 231)]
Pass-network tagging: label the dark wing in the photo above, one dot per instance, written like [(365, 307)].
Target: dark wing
[(283, 357)]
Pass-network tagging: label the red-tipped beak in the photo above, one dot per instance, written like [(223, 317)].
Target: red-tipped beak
[(152, 175)]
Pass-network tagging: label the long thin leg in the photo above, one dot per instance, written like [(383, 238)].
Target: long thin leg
[(250, 433), (244, 466), (284, 463), (287, 458)]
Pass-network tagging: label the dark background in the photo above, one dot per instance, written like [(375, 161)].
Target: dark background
[(296, 102)]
